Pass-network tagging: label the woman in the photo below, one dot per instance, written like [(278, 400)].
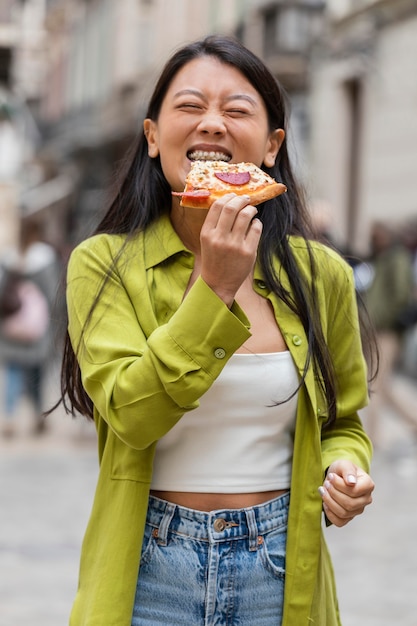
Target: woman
[(218, 445)]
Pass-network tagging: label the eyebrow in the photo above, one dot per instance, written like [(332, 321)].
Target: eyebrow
[(196, 92)]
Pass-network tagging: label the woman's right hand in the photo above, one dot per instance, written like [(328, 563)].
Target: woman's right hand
[(229, 242)]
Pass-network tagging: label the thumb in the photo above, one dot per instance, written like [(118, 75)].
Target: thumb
[(346, 470)]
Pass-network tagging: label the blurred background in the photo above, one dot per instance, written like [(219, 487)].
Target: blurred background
[(75, 76)]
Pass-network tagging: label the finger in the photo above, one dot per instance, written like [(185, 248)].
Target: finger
[(335, 520), (236, 214), (215, 210), (335, 513), (363, 485), (336, 517), (333, 481), (341, 505), (254, 232), (336, 490), (245, 223), (347, 470)]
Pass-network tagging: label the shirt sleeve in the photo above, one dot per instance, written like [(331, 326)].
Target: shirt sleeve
[(346, 438), (142, 376)]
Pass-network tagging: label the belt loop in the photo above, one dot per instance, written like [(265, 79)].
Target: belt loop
[(253, 529), (165, 522)]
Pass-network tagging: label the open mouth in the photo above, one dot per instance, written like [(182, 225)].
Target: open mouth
[(202, 155)]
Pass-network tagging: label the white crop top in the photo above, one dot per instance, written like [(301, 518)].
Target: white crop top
[(238, 440)]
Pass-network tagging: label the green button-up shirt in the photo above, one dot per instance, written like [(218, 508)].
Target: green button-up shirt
[(148, 354)]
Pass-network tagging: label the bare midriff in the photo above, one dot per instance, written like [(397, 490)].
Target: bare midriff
[(215, 501)]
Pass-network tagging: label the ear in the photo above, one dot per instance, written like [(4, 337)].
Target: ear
[(151, 134), (274, 143)]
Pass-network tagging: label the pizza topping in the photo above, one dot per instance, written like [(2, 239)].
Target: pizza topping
[(192, 193), (233, 178), (205, 175)]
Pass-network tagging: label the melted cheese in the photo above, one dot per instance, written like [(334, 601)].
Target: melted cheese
[(202, 176)]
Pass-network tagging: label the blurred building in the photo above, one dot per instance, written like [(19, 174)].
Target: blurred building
[(103, 57), (363, 151), (11, 140), (21, 82), (283, 34), (84, 69)]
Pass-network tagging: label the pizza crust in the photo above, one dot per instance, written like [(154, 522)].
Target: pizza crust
[(267, 193)]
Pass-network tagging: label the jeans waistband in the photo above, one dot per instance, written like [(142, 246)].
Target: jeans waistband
[(220, 525)]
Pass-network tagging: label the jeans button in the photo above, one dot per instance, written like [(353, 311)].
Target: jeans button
[(219, 525)]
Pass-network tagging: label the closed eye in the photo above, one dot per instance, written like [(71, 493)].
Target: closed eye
[(237, 112), (190, 106)]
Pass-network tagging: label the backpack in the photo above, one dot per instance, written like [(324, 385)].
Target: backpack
[(30, 322)]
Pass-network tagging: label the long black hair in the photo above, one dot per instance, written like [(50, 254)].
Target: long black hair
[(142, 194)]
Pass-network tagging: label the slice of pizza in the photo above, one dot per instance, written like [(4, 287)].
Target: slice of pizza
[(209, 180)]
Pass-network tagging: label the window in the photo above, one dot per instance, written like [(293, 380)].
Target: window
[(291, 27)]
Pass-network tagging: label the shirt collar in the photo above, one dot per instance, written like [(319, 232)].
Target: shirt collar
[(161, 242)]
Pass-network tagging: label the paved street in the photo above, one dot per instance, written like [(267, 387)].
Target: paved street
[(46, 488)]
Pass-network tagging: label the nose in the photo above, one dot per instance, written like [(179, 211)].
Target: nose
[(212, 123)]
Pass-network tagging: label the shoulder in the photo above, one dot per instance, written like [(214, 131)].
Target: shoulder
[(102, 243), (95, 258), (328, 262), (103, 248)]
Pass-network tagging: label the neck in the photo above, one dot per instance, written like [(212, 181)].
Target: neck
[(187, 224)]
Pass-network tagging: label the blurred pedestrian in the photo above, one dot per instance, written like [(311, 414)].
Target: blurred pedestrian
[(219, 445), (389, 292), (409, 238), (30, 278)]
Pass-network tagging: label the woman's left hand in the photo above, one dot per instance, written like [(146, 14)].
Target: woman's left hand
[(346, 491)]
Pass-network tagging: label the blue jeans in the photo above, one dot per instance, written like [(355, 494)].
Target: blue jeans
[(18, 380), (206, 569)]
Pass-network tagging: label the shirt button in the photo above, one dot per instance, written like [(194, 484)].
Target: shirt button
[(219, 525), (261, 284), (297, 341), (219, 353)]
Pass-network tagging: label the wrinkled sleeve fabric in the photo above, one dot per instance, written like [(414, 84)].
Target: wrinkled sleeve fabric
[(142, 376), (346, 439)]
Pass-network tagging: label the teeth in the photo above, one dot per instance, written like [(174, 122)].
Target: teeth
[(200, 155)]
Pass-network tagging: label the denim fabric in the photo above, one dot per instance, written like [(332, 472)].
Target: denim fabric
[(14, 387), (19, 380), (226, 567)]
